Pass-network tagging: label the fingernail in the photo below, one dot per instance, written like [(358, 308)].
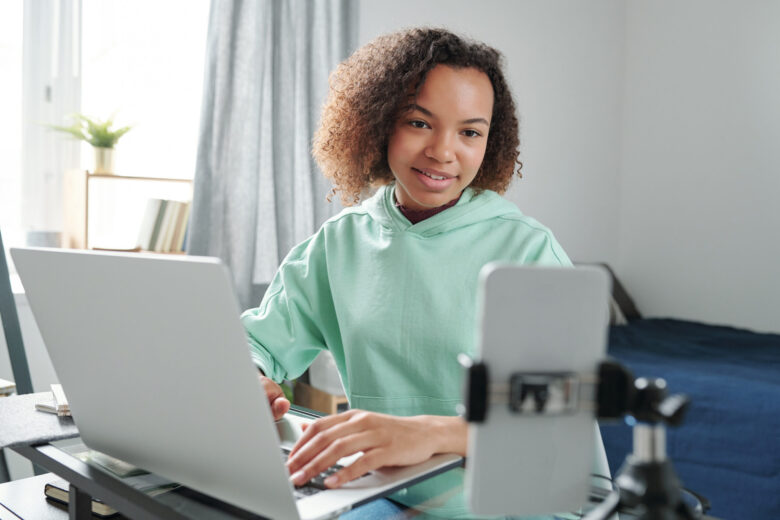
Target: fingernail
[(298, 478), (331, 481)]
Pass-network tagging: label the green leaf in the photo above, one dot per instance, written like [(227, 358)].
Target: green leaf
[(95, 132)]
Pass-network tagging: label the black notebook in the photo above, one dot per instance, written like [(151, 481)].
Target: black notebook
[(152, 485), (58, 490)]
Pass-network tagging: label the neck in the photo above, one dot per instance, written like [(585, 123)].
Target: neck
[(418, 215)]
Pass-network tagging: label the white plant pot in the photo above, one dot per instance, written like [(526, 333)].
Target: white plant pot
[(104, 160)]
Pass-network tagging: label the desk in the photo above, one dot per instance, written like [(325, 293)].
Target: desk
[(24, 498), (50, 441), (90, 480), (27, 432), (182, 503), (29, 502)]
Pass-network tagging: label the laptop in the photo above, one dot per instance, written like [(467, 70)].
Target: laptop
[(154, 361)]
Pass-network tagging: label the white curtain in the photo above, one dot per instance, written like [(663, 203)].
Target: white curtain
[(257, 191)]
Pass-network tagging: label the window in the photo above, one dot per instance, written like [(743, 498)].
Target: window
[(141, 60), (144, 60), (11, 127)]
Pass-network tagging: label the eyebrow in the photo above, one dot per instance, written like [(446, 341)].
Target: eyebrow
[(428, 113)]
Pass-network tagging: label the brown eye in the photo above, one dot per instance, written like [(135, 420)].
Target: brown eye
[(471, 133), (418, 124)]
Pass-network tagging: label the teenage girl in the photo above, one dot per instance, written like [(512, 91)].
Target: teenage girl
[(419, 138)]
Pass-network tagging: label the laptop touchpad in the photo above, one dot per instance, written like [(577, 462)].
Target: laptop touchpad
[(289, 429)]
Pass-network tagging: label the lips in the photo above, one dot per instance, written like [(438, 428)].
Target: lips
[(434, 180), (434, 174)]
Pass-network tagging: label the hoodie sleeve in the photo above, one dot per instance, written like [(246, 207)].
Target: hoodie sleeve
[(290, 327), (550, 253), (535, 244)]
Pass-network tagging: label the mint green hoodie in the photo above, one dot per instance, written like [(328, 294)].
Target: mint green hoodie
[(395, 305)]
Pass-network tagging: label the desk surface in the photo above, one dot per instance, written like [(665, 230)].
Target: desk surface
[(25, 499), (181, 503), (24, 425)]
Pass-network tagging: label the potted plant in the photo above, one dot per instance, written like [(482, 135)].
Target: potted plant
[(100, 135)]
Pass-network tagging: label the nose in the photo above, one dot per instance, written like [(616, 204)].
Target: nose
[(440, 148)]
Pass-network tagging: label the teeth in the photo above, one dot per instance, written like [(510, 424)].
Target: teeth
[(434, 177)]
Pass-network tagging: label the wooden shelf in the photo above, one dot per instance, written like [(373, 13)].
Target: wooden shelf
[(117, 176), (77, 201), (138, 250)]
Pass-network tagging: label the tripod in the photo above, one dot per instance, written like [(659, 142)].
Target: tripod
[(647, 482)]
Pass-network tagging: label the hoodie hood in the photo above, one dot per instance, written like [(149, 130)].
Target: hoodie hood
[(470, 209)]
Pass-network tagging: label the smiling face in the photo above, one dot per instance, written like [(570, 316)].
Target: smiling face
[(437, 145)]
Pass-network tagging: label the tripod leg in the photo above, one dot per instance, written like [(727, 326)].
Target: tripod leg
[(684, 512), (605, 509)]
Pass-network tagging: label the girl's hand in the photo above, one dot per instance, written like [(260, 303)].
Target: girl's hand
[(385, 440), (279, 403)]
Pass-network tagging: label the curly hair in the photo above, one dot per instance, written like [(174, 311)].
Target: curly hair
[(367, 89)]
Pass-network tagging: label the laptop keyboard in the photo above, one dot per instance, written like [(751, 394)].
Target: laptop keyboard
[(316, 484)]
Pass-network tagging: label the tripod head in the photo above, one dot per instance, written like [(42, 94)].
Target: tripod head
[(645, 400), (647, 484)]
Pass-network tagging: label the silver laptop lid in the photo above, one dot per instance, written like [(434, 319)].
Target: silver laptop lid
[(154, 360), (133, 340)]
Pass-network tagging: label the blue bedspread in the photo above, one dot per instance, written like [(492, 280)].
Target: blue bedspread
[(728, 448)]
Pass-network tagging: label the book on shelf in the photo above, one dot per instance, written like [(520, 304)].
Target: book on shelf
[(148, 222), (158, 218), (165, 215), (164, 226), (181, 244), (177, 223), (182, 217), (169, 222), (163, 239)]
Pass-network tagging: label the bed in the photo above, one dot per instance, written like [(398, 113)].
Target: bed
[(728, 448)]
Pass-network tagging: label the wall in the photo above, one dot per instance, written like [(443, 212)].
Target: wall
[(699, 215), (564, 61), (649, 134)]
